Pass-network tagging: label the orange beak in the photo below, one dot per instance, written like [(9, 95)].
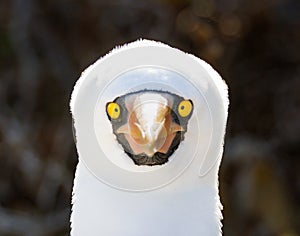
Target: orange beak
[(149, 128)]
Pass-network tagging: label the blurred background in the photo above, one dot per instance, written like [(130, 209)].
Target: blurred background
[(253, 44)]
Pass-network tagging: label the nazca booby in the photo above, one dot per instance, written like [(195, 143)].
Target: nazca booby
[(149, 125)]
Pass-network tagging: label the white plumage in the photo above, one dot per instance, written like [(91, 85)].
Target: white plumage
[(112, 195)]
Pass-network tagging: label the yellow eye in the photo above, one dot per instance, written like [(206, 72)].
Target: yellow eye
[(113, 110), (184, 108)]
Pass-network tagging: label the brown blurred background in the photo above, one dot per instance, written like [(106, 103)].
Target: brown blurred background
[(254, 44)]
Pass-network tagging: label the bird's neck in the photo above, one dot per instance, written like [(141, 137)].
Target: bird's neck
[(188, 206)]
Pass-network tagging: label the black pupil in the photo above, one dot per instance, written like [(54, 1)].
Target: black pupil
[(116, 109), (182, 107)]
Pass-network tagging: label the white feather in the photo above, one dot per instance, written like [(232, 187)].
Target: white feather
[(112, 196)]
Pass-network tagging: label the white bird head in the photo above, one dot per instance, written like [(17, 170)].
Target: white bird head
[(150, 124)]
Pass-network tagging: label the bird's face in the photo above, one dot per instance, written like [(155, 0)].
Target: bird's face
[(149, 124)]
